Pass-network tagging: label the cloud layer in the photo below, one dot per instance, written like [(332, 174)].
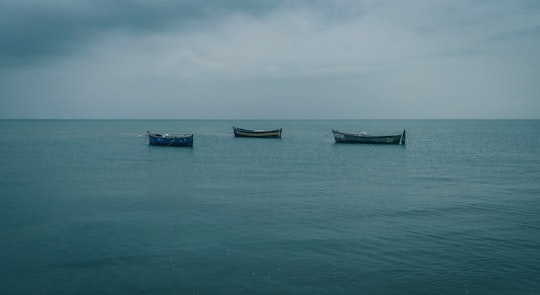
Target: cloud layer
[(269, 59)]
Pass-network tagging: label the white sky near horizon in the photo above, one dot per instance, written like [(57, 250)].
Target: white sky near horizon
[(341, 59)]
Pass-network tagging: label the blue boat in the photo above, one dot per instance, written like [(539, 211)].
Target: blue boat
[(185, 140)]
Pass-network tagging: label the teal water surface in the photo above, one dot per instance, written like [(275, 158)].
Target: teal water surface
[(88, 207)]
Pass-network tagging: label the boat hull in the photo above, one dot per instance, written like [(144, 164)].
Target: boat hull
[(170, 140), (239, 132), (344, 137)]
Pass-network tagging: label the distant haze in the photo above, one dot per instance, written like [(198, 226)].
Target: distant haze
[(269, 59)]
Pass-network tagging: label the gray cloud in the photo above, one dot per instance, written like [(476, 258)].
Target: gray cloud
[(36, 29)]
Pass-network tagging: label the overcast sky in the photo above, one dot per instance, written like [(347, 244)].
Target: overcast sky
[(269, 59)]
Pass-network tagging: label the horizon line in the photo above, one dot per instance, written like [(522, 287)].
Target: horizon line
[(253, 119)]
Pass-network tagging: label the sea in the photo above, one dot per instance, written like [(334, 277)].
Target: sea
[(88, 207)]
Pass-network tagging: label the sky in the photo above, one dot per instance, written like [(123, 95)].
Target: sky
[(269, 59)]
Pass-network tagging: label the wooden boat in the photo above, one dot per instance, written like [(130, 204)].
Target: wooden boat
[(239, 132), (170, 139), (363, 137)]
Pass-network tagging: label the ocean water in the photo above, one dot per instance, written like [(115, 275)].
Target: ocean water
[(88, 207)]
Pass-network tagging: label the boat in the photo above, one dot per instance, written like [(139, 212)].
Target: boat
[(170, 139), (364, 137), (239, 132)]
